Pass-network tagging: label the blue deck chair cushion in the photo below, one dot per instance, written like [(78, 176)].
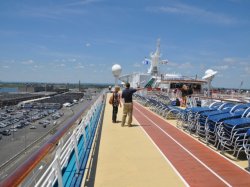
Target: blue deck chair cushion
[(243, 122)]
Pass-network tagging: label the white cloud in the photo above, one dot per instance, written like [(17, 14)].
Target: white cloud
[(172, 64), (83, 2), (197, 12), (10, 33), (137, 65), (72, 60), (51, 12), (60, 65), (37, 66), (87, 44), (6, 67), (56, 11), (244, 63), (236, 1), (202, 66), (244, 75), (79, 66), (236, 62), (102, 65), (222, 67), (185, 65), (179, 65), (28, 62), (229, 60), (247, 70)]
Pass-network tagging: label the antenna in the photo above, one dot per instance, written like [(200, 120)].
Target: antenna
[(209, 75), (241, 83)]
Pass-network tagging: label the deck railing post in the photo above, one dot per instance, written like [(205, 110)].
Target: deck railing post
[(76, 153), (59, 172), (84, 132), (58, 165), (89, 120)]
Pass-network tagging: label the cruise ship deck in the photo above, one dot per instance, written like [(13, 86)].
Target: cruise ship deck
[(90, 150), (154, 152)]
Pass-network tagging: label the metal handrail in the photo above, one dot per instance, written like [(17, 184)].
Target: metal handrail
[(63, 152)]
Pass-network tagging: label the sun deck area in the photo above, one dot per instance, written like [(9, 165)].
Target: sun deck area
[(154, 152), (127, 157), (166, 146)]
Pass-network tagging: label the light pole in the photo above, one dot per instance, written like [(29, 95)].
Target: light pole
[(25, 133), (25, 140), (12, 131)]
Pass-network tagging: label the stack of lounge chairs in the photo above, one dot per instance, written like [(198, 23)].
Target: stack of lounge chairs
[(156, 104), (224, 125)]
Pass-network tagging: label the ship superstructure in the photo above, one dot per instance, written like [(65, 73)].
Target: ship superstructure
[(158, 80)]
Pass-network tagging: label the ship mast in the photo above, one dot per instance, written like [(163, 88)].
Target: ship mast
[(153, 70)]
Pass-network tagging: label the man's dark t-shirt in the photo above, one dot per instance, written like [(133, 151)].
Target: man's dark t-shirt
[(184, 93), (127, 94)]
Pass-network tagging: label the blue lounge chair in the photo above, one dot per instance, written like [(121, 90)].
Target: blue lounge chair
[(203, 117), (246, 145), (207, 120), (231, 133), (194, 113)]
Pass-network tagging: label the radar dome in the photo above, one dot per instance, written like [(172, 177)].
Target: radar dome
[(209, 73), (116, 70)]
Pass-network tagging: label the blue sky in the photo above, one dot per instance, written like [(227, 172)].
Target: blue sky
[(68, 41)]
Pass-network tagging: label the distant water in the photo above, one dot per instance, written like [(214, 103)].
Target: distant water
[(8, 89)]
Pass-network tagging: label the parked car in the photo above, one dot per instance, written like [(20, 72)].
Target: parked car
[(20, 126), (13, 130), (2, 125), (6, 132)]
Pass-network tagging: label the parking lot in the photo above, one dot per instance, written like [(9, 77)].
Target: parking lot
[(26, 113), (22, 126)]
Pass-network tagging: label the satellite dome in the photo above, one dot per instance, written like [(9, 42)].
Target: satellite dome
[(116, 70), (209, 73)]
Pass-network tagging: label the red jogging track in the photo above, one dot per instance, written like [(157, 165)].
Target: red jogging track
[(196, 163)]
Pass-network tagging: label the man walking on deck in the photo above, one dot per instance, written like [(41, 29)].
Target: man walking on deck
[(127, 94)]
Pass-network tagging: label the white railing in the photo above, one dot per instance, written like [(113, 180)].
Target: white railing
[(54, 172)]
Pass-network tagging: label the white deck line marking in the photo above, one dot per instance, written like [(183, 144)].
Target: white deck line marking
[(224, 157), (164, 156), (224, 181)]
